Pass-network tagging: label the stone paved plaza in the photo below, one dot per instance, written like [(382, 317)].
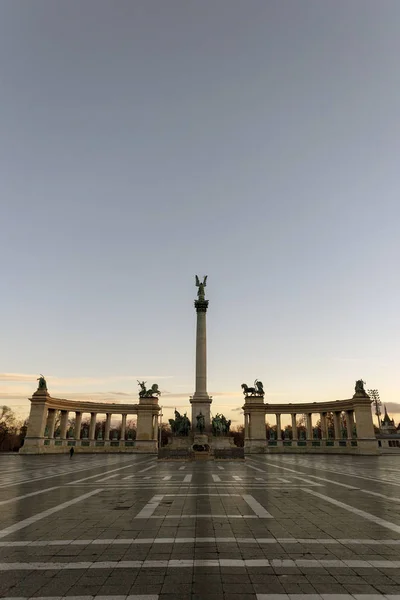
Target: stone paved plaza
[(270, 528)]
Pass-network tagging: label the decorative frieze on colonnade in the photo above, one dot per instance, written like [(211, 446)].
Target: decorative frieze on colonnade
[(41, 438), (358, 437)]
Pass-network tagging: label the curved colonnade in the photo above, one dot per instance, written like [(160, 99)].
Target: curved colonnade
[(358, 437), (41, 427)]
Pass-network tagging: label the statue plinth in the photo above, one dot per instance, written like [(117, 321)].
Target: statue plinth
[(200, 439), (40, 393)]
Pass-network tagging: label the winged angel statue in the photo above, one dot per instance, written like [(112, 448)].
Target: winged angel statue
[(201, 286)]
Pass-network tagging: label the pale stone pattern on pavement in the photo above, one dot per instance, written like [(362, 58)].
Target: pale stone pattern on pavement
[(274, 527)]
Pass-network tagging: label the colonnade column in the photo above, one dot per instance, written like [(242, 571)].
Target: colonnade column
[(123, 427), (107, 427), (78, 423), (278, 427), (51, 422), (92, 426), (309, 426), (323, 426), (294, 427), (336, 425), (64, 424), (349, 424)]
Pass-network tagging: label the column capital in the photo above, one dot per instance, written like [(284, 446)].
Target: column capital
[(201, 305)]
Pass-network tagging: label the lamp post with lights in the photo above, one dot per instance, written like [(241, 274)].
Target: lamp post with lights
[(374, 394)]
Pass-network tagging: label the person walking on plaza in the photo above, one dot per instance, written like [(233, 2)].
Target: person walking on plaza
[(71, 452)]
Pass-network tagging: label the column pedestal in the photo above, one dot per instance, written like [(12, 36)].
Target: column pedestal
[(34, 441), (255, 441), (147, 428)]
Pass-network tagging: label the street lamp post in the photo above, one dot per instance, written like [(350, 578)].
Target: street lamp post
[(374, 394)]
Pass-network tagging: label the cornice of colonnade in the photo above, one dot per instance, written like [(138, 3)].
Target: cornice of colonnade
[(83, 406), (310, 407)]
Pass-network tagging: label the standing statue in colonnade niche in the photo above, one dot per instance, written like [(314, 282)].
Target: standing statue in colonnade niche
[(201, 286), (42, 383), (257, 390), (145, 393)]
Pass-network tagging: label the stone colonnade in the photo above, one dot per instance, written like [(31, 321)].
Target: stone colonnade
[(358, 436), (41, 438)]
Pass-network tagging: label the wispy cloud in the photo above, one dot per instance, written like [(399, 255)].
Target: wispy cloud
[(75, 381)]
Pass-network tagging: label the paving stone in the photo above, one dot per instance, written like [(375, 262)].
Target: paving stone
[(330, 529)]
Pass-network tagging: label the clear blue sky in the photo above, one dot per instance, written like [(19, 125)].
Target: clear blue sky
[(142, 142)]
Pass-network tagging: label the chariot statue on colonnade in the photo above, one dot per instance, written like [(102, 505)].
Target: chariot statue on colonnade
[(257, 390), (145, 393)]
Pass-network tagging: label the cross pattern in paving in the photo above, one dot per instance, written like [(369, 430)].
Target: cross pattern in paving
[(270, 528)]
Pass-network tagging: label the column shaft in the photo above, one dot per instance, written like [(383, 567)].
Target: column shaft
[(51, 421), (63, 424), (309, 426), (349, 424), (107, 427), (278, 427), (336, 425), (78, 423), (201, 356), (294, 427), (123, 427), (92, 426), (323, 426)]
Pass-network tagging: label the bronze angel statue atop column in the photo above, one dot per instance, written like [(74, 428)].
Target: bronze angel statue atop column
[(201, 285)]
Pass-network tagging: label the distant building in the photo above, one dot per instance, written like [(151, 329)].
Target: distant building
[(387, 424)]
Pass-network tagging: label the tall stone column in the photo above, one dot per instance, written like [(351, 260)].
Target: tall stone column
[(201, 401)]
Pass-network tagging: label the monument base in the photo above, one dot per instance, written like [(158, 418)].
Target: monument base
[(255, 446), (33, 445), (149, 446)]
